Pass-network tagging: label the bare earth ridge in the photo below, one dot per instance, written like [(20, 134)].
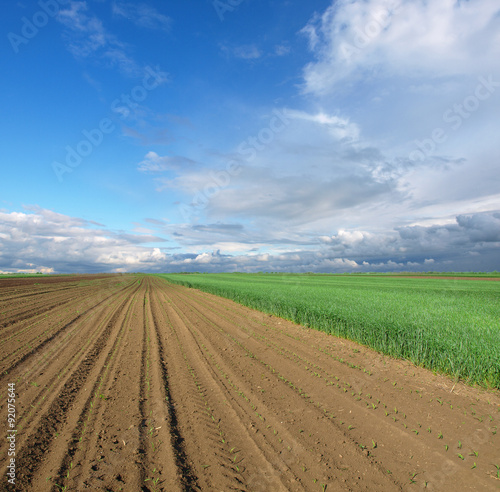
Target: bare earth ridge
[(131, 383)]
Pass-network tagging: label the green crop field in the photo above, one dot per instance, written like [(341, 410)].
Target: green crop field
[(451, 326)]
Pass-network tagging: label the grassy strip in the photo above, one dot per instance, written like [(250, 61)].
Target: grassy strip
[(451, 326)]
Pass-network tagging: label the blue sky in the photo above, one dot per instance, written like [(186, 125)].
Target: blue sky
[(353, 135)]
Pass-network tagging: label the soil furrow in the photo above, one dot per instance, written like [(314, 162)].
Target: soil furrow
[(181, 476), (83, 442), (48, 352), (50, 371), (57, 414), (32, 342)]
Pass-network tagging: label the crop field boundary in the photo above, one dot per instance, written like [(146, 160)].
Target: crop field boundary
[(449, 325)]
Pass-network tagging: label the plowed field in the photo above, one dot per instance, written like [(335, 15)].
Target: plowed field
[(131, 383)]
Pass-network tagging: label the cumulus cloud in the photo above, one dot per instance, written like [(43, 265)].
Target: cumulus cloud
[(428, 244), (39, 239), (43, 240)]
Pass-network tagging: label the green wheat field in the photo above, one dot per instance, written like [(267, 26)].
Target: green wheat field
[(451, 326)]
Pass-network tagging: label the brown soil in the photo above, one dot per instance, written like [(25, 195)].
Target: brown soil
[(23, 281), (130, 383)]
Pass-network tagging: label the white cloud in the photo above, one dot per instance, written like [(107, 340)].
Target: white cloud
[(135, 259), (282, 50), (143, 15), (32, 270), (403, 38), (340, 128), (42, 240), (89, 32), (155, 164), (317, 168), (344, 158), (87, 37), (244, 52)]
